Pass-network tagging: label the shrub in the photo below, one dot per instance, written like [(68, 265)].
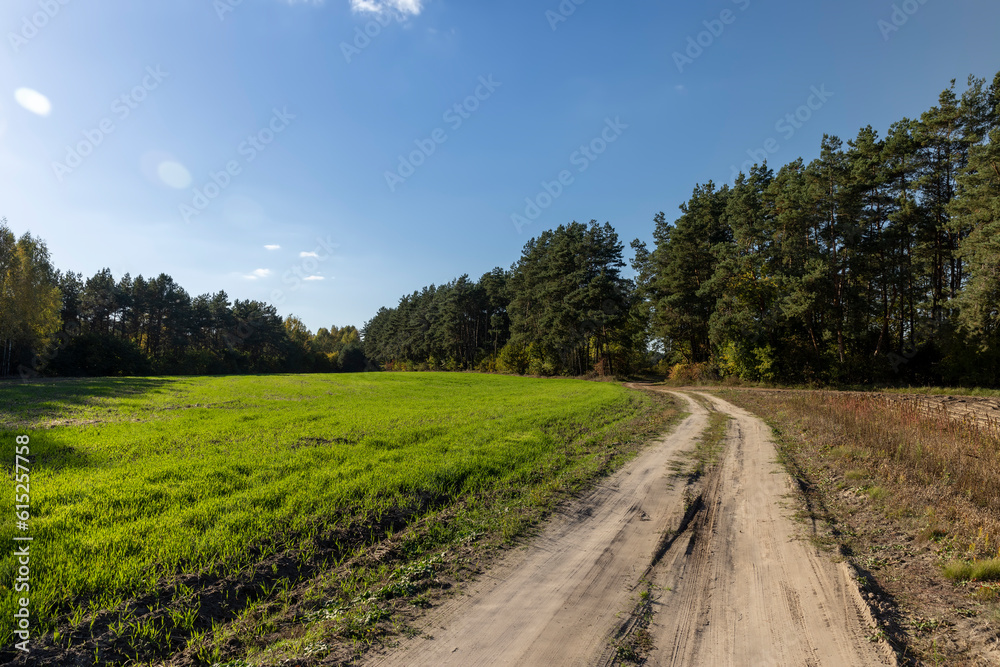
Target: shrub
[(513, 359), (755, 364), (352, 358), (692, 373)]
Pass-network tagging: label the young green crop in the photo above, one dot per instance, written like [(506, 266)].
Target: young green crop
[(135, 481)]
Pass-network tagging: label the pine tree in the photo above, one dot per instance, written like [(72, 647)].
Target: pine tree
[(684, 292), (977, 207)]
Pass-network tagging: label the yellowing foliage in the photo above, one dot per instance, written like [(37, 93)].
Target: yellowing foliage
[(30, 301)]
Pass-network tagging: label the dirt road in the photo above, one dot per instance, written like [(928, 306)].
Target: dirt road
[(556, 602), (736, 588), (744, 586)]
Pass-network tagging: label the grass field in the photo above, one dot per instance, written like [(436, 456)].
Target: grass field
[(151, 497)]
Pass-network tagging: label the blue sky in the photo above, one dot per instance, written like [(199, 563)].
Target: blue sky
[(275, 151)]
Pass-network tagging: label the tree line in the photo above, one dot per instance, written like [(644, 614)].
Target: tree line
[(563, 308), (878, 261), (58, 323)]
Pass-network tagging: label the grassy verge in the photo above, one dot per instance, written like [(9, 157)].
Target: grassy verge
[(912, 502), (284, 517)]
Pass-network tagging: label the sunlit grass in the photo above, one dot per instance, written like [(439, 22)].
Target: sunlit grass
[(134, 482)]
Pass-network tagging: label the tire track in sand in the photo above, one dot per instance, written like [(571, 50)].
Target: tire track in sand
[(743, 587), (739, 585), (560, 600)]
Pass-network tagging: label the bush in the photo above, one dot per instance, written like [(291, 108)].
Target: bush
[(692, 373), (539, 366), (352, 358), (513, 359), (754, 364), (487, 365)]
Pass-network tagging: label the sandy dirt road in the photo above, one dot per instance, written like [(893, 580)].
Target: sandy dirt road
[(744, 586), (739, 585), (557, 602)]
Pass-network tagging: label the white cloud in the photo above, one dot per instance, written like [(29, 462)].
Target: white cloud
[(314, 278), (259, 273), (272, 247), (402, 7), (309, 254), (33, 101)]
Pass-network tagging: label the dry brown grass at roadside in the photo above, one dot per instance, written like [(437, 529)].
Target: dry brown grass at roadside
[(952, 463), (905, 495)]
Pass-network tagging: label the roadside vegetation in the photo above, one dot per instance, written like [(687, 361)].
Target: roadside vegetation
[(216, 519), (912, 500)]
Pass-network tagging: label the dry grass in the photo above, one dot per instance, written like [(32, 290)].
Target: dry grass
[(936, 449), (913, 499), (949, 465)]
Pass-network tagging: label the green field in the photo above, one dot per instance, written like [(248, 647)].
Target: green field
[(145, 490)]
